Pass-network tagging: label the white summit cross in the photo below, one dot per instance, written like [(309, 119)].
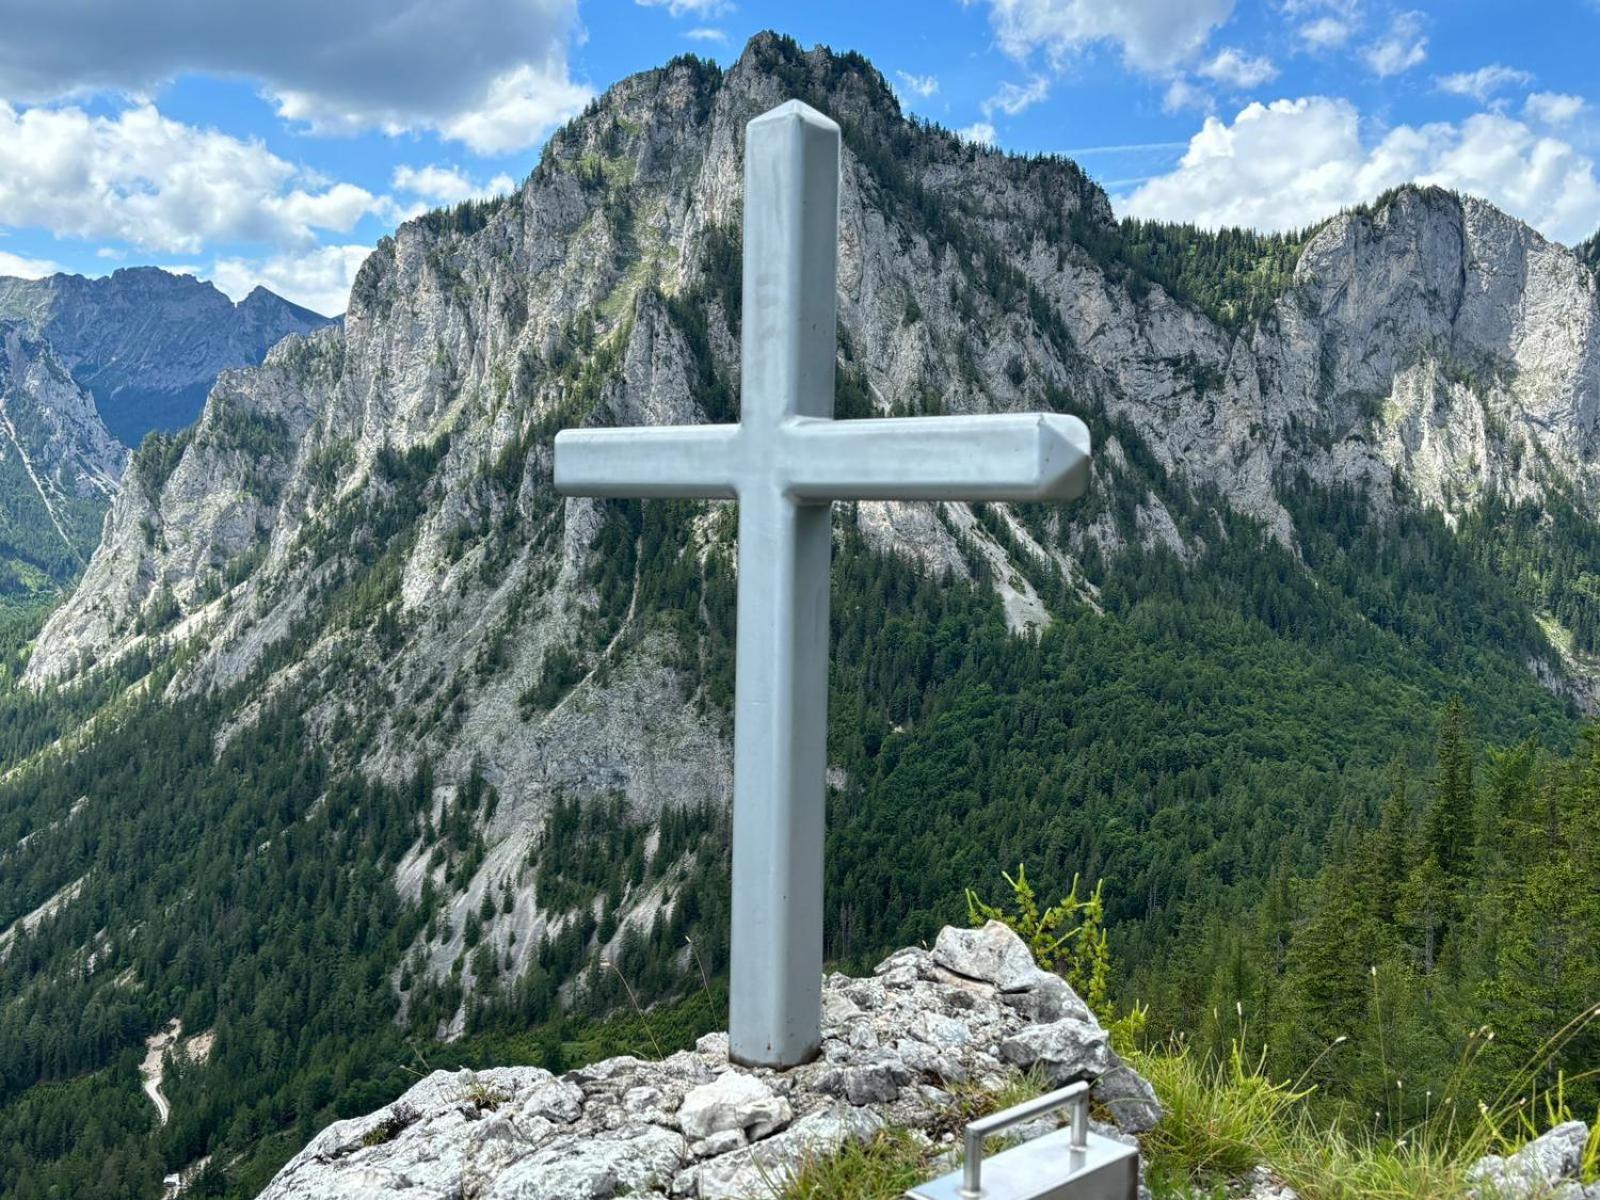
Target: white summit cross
[(784, 462)]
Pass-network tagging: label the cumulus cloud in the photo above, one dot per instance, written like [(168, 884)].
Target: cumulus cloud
[(1236, 69), (1484, 82), (697, 8), (447, 185), (920, 85), (1152, 35), (519, 108), (1182, 94), (1402, 47), (1013, 98), (491, 73), (1553, 108), (158, 184), (320, 278), (706, 34), (980, 132), (26, 268), (1326, 33), (1290, 163)]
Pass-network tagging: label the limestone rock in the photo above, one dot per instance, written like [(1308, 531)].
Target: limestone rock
[(1262, 1184), (1128, 1097), (1065, 1050), (734, 1100), (1546, 1166), (577, 1167), (761, 1170), (993, 954)]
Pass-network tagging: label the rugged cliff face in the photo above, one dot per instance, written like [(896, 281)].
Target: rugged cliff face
[(366, 520), (147, 343), (59, 466)]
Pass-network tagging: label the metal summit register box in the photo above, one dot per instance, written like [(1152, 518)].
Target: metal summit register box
[(1069, 1164)]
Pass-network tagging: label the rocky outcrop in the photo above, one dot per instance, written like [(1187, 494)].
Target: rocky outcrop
[(692, 1124), (147, 343)]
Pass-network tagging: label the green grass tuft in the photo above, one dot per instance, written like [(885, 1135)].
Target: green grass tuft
[(879, 1169)]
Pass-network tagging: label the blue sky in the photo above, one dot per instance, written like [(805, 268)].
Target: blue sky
[(273, 144)]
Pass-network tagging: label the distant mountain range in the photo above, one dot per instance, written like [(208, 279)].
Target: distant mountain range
[(146, 343), (88, 367)]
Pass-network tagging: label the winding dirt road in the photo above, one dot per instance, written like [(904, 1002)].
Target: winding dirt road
[(156, 1045)]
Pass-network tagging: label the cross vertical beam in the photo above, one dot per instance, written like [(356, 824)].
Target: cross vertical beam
[(785, 462), (791, 221)]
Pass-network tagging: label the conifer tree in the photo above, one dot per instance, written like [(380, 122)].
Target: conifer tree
[(1452, 816)]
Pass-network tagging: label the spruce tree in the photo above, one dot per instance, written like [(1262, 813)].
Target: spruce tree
[(1451, 817)]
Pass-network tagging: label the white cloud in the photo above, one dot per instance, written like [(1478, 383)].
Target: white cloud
[(1554, 108), (519, 108), (492, 73), (1013, 98), (980, 132), (706, 34), (26, 268), (1484, 82), (1349, 9), (1153, 35), (158, 184), (1182, 94), (1401, 48), (1236, 69), (1326, 33), (447, 185), (921, 85), (320, 279), (698, 8), (1293, 162)]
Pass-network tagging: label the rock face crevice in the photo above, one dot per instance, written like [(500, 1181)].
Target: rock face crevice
[(970, 1013)]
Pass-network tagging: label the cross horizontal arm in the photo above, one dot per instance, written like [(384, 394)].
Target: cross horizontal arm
[(995, 456), (655, 461)]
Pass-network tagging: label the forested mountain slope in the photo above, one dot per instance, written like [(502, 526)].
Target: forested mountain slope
[(354, 730), (148, 343)]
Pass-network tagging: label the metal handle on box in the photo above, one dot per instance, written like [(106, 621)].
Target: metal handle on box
[(1076, 1094)]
